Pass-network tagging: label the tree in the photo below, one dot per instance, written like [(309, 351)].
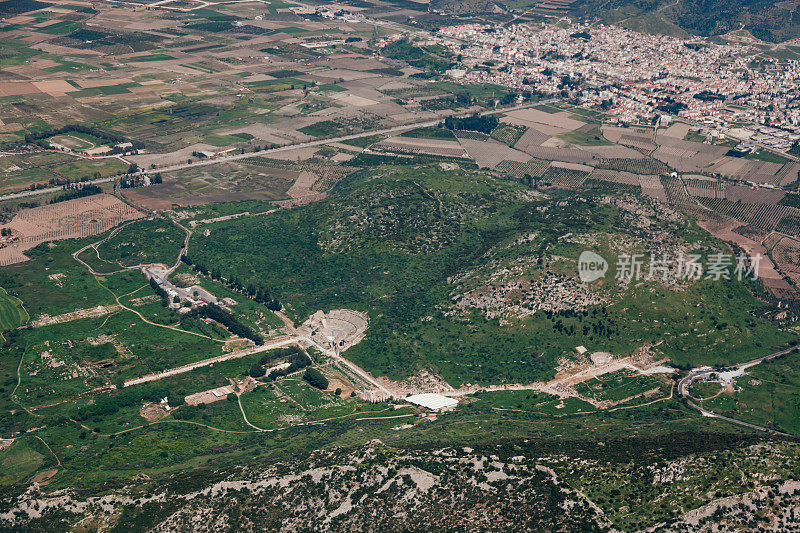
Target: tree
[(257, 371), (315, 378)]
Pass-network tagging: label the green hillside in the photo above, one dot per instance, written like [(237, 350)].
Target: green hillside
[(422, 252), (765, 19)]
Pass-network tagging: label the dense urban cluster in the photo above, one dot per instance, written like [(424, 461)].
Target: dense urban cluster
[(638, 76)]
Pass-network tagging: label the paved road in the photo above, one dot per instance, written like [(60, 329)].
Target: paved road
[(58, 188), (285, 148), (285, 341), (686, 382), (329, 140), (182, 251), (206, 362)]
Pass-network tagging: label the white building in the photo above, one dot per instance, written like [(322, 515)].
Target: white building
[(434, 402)]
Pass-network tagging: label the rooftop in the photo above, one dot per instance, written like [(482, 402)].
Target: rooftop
[(431, 401)]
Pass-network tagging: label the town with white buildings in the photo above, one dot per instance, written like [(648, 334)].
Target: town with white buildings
[(728, 89)]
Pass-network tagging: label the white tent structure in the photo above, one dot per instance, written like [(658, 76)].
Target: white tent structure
[(434, 402)]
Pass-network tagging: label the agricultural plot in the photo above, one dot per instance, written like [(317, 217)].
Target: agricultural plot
[(790, 225), (509, 134), (554, 122), (566, 155), (233, 181), (652, 186), (636, 166), (763, 216), (676, 191), (12, 312), (686, 156), (619, 386), (704, 188), (441, 134), (490, 153), (417, 91), (564, 177), (602, 186), (638, 138), (531, 137), (429, 145), (750, 170), (788, 174), (18, 172), (588, 135), (643, 143), (533, 168), (72, 219), (471, 135), (325, 128), (621, 177), (614, 151), (83, 168), (752, 195)]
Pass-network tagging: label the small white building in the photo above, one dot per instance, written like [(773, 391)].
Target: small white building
[(434, 402)]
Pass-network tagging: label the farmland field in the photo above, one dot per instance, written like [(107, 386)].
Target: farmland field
[(12, 312)]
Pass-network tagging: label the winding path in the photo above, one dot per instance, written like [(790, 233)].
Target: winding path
[(694, 375)]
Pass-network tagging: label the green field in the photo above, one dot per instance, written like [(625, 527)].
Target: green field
[(227, 140), (326, 128), (703, 389), (618, 386), (396, 268), (53, 282), (769, 395), (363, 142), (531, 403), (144, 242), (12, 312), (62, 27), (770, 157), (592, 137), (84, 168), (331, 87), (430, 133), (20, 461), (147, 58)]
